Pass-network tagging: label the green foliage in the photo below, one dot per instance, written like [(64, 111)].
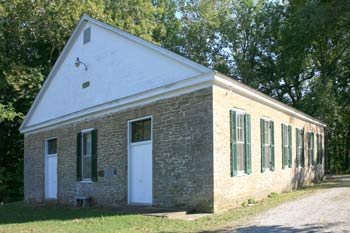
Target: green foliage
[(56, 218), (273, 195), (296, 51), (251, 201), (32, 34)]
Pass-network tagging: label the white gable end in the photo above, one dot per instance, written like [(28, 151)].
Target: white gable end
[(117, 67)]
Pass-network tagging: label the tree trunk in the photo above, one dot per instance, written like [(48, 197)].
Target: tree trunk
[(334, 157)]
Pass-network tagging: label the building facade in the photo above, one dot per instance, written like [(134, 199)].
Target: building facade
[(122, 121)]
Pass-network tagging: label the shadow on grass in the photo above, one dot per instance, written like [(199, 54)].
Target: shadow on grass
[(20, 212), (339, 181), (276, 228)]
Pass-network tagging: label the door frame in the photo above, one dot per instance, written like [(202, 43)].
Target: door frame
[(46, 168), (129, 154)]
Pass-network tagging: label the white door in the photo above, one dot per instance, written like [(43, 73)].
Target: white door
[(140, 161), (51, 169)]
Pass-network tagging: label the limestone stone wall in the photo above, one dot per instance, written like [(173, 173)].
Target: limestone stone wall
[(232, 191), (182, 154), (191, 154)]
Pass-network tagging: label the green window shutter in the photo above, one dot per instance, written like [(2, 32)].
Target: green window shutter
[(79, 157), (297, 147), (248, 148), (321, 149), (233, 143), (309, 148), (283, 127), (272, 147), (262, 136), (290, 146), (313, 149), (302, 148), (94, 155), (318, 149)]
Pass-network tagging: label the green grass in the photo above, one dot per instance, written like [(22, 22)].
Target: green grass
[(19, 217)]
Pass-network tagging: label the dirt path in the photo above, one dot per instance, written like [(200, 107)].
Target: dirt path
[(327, 211)]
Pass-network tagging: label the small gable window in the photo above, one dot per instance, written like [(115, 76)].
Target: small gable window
[(87, 35)]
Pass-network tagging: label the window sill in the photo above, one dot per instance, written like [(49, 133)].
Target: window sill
[(86, 181), (140, 143), (267, 170), (239, 174)]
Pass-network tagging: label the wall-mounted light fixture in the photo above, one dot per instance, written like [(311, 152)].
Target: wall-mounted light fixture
[(78, 62)]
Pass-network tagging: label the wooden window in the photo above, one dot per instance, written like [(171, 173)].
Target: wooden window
[(300, 147), (311, 149), (240, 131), (319, 149), (87, 155), (286, 146), (267, 145), (141, 130), (240, 142), (52, 146)]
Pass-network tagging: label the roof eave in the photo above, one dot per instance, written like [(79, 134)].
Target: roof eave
[(228, 82)]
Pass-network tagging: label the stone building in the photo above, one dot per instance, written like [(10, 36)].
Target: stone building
[(123, 121)]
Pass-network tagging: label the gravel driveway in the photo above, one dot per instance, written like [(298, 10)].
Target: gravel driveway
[(326, 211)]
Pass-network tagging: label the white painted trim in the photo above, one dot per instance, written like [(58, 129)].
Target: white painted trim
[(140, 119), (86, 181), (47, 155), (87, 130), (149, 45), (128, 148), (286, 124), (240, 174), (141, 143), (53, 71), (228, 83), (48, 139), (168, 91), (238, 110), (75, 35), (265, 118)]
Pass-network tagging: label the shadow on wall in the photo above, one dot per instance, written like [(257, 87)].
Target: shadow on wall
[(306, 175), (277, 228)]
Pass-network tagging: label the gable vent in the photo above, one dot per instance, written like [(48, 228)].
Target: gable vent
[(87, 35)]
